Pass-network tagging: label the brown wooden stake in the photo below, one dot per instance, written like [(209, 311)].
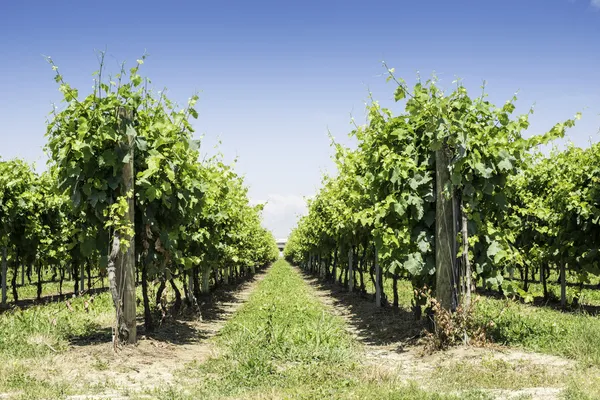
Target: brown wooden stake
[(350, 274), (205, 281), (4, 272), (121, 265), (378, 285), (444, 235), (466, 295), (129, 295), (563, 285)]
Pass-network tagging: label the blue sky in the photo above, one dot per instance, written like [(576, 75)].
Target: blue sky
[(275, 76)]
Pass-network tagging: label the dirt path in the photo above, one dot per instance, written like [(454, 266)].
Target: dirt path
[(390, 339), (152, 362)]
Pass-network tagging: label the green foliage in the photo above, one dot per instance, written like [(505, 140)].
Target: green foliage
[(384, 193), (555, 213), (20, 207), (189, 215)]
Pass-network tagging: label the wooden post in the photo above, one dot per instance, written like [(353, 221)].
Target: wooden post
[(377, 280), (319, 265), (322, 266), (444, 235), (466, 295), (563, 285), (205, 280), (81, 279), (543, 279), (121, 266), (129, 297), (350, 274), (191, 297), (4, 272)]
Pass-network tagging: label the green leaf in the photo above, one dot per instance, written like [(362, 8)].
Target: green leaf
[(136, 80), (495, 252), (113, 182), (83, 126), (109, 158), (422, 243), (103, 263), (151, 193), (483, 170), (456, 178), (429, 218), (141, 143), (400, 93), (170, 174), (87, 246), (414, 264), (131, 133), (493, 249), (76, 198)]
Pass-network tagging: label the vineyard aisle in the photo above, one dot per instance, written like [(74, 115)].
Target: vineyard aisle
[(281, 335), (295, 340)]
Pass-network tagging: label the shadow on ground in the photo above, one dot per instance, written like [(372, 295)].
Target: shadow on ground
[(186, 326), (374, 326)]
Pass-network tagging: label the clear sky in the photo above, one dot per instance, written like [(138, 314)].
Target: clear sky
[(275, 76)]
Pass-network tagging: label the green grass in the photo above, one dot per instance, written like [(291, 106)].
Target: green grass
[(49, 289), (22, 383), (495, 373), (572, 335), (283, 343), (31, 336), (584, 386), (43, 329)]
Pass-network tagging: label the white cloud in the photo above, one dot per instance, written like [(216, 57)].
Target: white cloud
[(595, 3), (281, 212)]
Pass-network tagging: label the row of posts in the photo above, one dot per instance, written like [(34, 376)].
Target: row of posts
[(312, 259)]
